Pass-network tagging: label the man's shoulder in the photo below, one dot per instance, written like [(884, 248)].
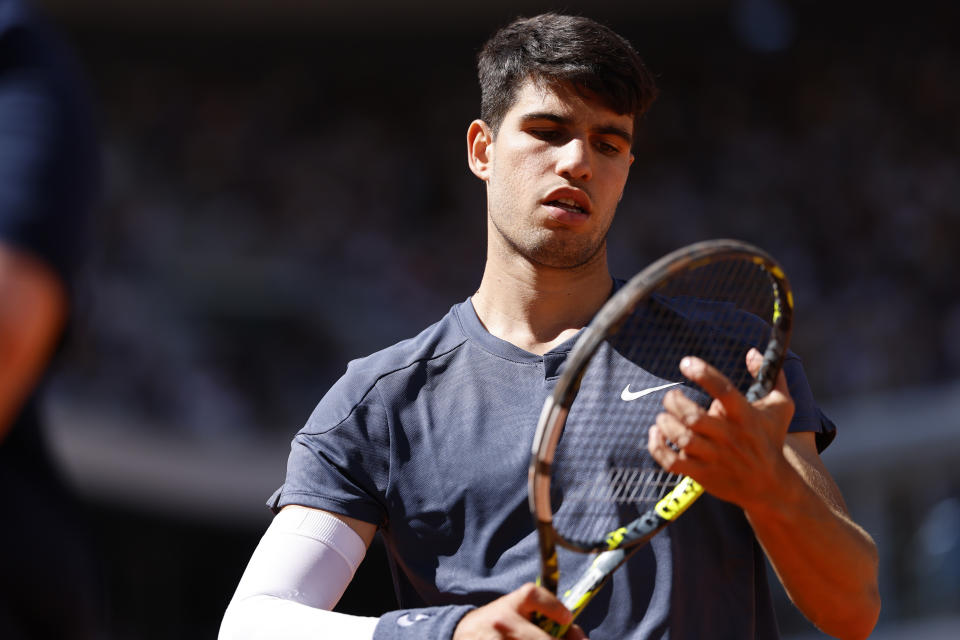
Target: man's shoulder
[(354, 388), (437, 340)]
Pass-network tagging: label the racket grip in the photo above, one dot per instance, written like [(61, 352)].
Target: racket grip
[(580, 594), (552, 627)]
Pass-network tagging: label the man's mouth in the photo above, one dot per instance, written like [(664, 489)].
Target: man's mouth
[(566, 204)]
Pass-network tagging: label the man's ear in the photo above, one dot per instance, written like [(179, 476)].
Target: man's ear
[(480, 149)]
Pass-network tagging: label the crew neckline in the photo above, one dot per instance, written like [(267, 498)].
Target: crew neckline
[(474, 329)]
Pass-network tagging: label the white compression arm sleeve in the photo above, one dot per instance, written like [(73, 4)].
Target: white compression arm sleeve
[(298, 572)]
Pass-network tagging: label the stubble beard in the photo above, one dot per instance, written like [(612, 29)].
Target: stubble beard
[(556, 249)]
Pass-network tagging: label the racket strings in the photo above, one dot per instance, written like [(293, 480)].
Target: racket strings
[(626, 486), (602, 473)]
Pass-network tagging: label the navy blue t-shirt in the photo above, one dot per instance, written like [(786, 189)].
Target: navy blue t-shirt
[(430, 440)]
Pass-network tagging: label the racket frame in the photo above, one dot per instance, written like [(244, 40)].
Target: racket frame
[(620, 543)]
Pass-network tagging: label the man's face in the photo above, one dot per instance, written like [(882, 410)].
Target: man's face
[(557, 168)]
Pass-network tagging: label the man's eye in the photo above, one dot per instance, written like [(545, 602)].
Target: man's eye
[(606, 147), (547, 135)]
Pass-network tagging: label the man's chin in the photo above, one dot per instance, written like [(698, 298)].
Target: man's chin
[(566, 257)]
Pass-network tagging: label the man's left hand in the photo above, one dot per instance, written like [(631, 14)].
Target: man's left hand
[(734, 448)]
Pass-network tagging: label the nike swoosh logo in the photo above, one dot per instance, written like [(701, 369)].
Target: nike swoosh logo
[(405, 620), (627, 396)]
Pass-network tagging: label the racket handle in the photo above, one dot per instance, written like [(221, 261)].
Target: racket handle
[(581, 593), (603, 566), (553, 628)]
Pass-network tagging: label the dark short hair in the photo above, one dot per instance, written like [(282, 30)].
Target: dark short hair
[(572, 50)]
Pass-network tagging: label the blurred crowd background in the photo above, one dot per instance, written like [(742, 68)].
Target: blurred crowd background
[(285, 189)]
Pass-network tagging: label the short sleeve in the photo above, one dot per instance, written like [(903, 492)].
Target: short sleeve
[(339, 461), (807, 416)]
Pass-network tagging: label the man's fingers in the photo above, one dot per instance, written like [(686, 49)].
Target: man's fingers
[(754, 361), (676, 461), (779, 397), (691, 416), (714, 383), (575, 633), (533, 599), (511, 616), (674, 429), (671, 439), (781, 385), (665, 456), (682, 407)]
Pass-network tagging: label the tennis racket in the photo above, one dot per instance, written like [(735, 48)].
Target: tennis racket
[(593, 486)]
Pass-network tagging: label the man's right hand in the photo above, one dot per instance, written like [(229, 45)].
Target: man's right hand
[(509, 617)]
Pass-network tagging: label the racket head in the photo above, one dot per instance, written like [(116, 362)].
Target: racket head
[(590, 472)]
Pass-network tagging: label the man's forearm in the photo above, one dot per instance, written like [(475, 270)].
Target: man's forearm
[(826, 562)]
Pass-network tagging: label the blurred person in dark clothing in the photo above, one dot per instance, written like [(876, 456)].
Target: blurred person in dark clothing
[(48, 179)]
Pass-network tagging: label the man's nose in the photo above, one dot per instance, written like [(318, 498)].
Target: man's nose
[(573, 161)]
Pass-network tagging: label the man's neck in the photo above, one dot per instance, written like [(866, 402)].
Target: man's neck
[(536, 308)]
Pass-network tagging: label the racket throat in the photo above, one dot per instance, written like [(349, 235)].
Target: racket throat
[(549, 565), (580, 594)]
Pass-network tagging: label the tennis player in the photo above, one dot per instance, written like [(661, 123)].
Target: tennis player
[(428, 441)]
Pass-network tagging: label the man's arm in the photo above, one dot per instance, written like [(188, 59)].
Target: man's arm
[(506, 617), (296, 575), (741, 452), (33, 309), (365, 530), (305, 561), (831, 574)]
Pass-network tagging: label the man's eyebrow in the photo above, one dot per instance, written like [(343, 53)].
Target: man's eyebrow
[(545, 115), (609, 129), (613, 130)]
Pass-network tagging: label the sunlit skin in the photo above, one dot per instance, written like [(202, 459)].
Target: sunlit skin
[(741, 452), (554, 171), (554, 145)]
